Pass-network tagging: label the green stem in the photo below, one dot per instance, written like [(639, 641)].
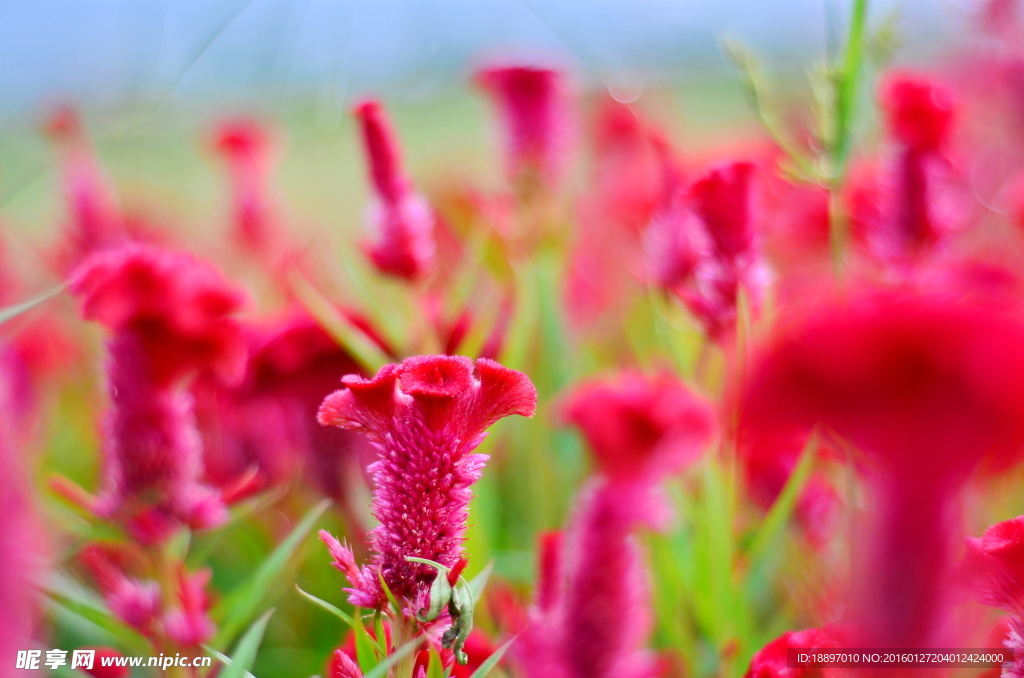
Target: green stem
[(403, 630)]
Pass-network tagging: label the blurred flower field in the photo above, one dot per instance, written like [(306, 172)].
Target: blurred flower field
[(528, 381)]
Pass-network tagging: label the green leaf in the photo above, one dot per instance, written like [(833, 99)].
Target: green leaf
[(780, 512), (98, 614), (336, 611), (365, 351), (477, 583), (368, 652), (493, 660), (248, 646), (223, 658), (238, 607), (387, 592), (17, 309), (381, 669)]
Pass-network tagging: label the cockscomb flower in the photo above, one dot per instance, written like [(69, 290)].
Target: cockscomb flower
[(592, 614), (531, 107), (267, 422), (703, 247), (170, 315), (187, 623), (95, 220), (134, 602), (246, 148), (401, 220), (772, 661), (910, 207), (425, 415), (928, 387), (993, 566)]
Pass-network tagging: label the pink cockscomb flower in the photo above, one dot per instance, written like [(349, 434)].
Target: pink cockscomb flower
[(246, 148), (425, 415), (187, 623), (531, 106), (927, 386), (170, 315), (773, 661), (401, 220), (702, 245), (592, 614), (909, 207), (94, 218)]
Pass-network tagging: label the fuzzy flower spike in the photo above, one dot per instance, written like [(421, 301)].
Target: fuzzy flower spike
[(425, 415), (169, 315), (401, 219), (593, 621)]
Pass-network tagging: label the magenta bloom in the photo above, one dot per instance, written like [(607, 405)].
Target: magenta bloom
[(401, 220), (533, 119), (592, 620), (701, 244), (94, 219), (910, 208), (170, 315), (187, 623), (772, 661), (425, 415), (245, 146), (927, 387)]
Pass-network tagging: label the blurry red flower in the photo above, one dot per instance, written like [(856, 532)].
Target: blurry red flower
[(772, 661), (401, 220)]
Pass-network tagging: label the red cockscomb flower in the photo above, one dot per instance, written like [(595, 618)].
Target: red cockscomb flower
[(772, 661), (927, 387), (246, 148), (401, 220), (170, 315), (425, 415), (592, 614), (531, 107)]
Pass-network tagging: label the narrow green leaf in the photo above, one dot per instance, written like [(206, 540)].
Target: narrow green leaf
[(381, 669), (780, 512), (367, 651), (387, 592), (492, 661), (17, 309), (238, 607), (477, 583), (245, 653), (365, 351), (223, 658), (98, 614), (336, 611)]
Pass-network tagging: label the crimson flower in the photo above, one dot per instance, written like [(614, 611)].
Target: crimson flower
[(702, 246), (170, 315), (907, 211), (425, 415), (94, 219), (592, 613), (927, 387), (401, 220), (772, 661), (246, 148), (531, 108)]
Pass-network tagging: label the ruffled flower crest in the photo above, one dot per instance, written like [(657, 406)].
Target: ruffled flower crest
[(426, 415)]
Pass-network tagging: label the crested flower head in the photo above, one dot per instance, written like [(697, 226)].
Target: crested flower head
[(246, 146), (702, 245), (592, 613), (170, 315), (639, 425), (772, 660), (95, 221), (927, 387), (918, 111), (530, 104), (994, 566), (425, 415), (401, 219), (187, 623), (179, 309)]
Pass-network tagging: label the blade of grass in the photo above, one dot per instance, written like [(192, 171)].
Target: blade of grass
[(17, 309), (336, 611), (245, 653), (240, 605), (381, 669), (488, 664), (101, 617)]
